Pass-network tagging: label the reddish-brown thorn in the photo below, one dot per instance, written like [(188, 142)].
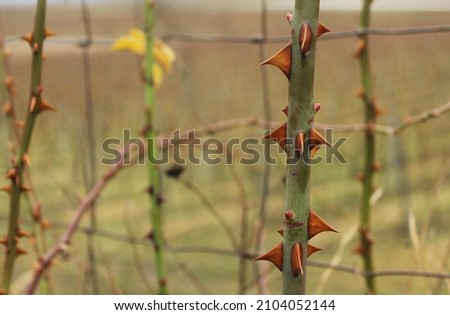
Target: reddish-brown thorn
[(312, 249), (282, 59), (305, 38), (296, 259), (300, 142), (316, 138), (279, 135), (322, 29), (275, 256), (317, 225)]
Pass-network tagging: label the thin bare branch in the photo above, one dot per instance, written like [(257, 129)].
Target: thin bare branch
[(64, 242), (210, 251), (260, 38), (383, 273), (89, 164), (225, 125), (244, 233), (422, 117), (140, 267), (359, 127), (230, 252), (213, 210), (260, 269), (389, 31), (194, 279), (355, 271)]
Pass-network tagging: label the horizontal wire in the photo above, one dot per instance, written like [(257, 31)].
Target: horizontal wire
[(244, 39)]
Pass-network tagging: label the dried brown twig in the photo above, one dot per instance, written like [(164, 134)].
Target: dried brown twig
[(419, 118), (64, 242), (225, 125)]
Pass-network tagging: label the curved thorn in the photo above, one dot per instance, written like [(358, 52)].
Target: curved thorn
[(26, 159), (322, 29), (316, 138), (20, 124), (313, 150), (282, 59), (48, 33), (279, 135), (33, 103), (275, 256), (4, 240), (46, 106), (300, 142), (24, 188), (22, 233), (6, 189), (11, 174), (296, 259), (312, 249), (20, 251), (317, 225), (377, 166), (28, 38), (305, 38), (360, 47)]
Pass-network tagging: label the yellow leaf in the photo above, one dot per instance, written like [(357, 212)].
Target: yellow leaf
[(134, 42), (137, 33), (158, 75), (163, 54)]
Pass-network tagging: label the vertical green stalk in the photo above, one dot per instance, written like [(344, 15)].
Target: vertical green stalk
[(262, 217), (369, 146), (16, 172), (300, 112), (300, 141), (155, 190), (244, 234), (90, 163), (14, 138)]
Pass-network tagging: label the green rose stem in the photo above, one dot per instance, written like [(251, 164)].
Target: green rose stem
[(90, 166), (370, 166), (35, 106), (154, 173), (300, 141)]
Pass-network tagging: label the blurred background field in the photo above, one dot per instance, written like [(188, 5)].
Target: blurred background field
[(211, 82)]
